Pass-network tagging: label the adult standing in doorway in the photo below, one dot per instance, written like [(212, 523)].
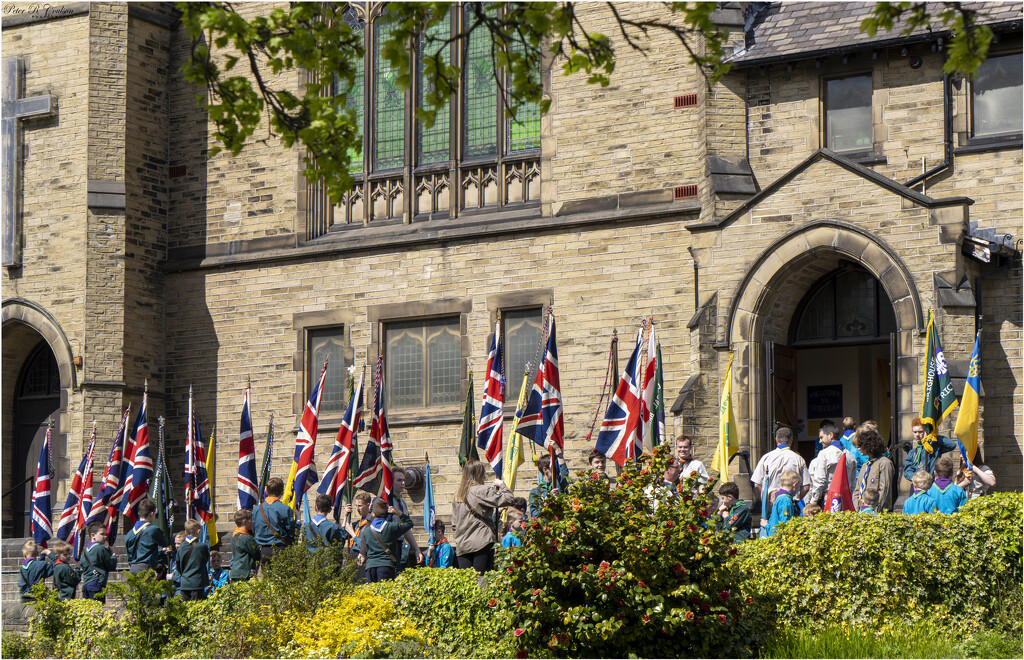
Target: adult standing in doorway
[(769, 469), (824, 464), (878, 473)]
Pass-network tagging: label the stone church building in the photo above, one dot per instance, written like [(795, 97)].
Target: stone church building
[(803, 214)]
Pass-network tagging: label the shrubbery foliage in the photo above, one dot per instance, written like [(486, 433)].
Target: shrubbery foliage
[(606, 573), (852, 568)]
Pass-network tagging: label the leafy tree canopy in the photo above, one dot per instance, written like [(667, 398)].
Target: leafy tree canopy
[(239, 60)]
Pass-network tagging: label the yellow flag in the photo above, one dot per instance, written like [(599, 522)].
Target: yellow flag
[(289, 496), (728, 441), (966, 429), (211, 524), (514, 458)]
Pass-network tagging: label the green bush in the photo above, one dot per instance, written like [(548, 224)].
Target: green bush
[(837, 641), (16, 646), (458, 617), (153, 616), (851, 568), (604, 573)]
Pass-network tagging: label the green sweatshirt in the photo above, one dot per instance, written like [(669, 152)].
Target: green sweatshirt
[(376, 553)]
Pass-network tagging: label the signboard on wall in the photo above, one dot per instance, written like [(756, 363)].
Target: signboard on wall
[(825, 401)]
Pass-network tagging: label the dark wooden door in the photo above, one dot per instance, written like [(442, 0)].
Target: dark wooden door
[(37, 399)]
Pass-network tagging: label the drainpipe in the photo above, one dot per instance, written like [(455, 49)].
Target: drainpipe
[(696, 281), (947, 131)]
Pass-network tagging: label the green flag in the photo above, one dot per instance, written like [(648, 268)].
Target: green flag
[(658, 405), (939, 398), (160, 488), (467, 446), (265, 471)]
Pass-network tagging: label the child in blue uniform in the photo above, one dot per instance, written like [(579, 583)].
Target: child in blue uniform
[(869, 501), (947, 495), (218, 574), (440, 554), (784, 507), (514, 536), (321, 531), (921, 501)]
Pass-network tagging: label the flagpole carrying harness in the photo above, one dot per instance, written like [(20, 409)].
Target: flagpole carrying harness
[(604, 388)]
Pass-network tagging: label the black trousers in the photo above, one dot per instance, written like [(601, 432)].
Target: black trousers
[(481, 560), (193, 594), (380, 573)]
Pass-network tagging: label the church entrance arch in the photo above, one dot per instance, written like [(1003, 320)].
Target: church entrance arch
[(38, 379), (822, 325)]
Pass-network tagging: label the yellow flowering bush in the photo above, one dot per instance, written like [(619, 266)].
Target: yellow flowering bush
[(358, 625)]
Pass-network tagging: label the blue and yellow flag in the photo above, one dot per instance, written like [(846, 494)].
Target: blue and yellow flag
[(728, 440), (210, 526), (966, 429)]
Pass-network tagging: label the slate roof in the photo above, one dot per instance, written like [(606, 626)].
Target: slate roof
[(795, 30)]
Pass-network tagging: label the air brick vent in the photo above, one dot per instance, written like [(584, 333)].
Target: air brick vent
[(685, 192), (686, 101)]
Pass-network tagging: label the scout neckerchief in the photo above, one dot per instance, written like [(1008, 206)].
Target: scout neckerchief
[(433, 555), (359, 531), (316, 525), (383, 521), (139, 526), (862, 485), (838, 444)]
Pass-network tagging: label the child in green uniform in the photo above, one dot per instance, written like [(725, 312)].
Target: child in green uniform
[(145, 544), (34, 569), (191, 560), (735, 512), (97, 562), (65, 578), (378, 539), (245, 555)]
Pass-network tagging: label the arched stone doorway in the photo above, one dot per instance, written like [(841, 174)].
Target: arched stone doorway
[(38, 378), (777, 287)]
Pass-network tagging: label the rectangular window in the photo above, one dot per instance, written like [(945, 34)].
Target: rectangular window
[(848, 113), (433, 141), (480, 94), (389, 106), (997, 96), (328, 344), (423, 361), (522, 133), (522, 332), (354, 94)]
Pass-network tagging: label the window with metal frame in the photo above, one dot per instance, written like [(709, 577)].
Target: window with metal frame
[(521, 330), (423, 363), (328, 344), (848, 113), (997, 97), (847, 306)]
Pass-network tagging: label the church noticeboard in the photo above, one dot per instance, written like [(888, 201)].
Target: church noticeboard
[(824, 401)]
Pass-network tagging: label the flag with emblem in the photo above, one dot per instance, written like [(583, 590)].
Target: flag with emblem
[(42, 527), (198, 505), (336, 473), (939, 397), (141, 462), (966, 430), (267, 457), (467, 435), (375, 471), (78, 535), (619, 437), (542, 420), (302, 476), (658, 410), (489, 432), (161, 491), (839, 497), (247, 485), (104, 507), (69, 514)]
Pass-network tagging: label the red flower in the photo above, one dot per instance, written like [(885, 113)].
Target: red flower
[(645, 619), (492, 603), (721, 619), (749, 600), (640, 584), (689, 616), (664, 630), (595, 477), (693, 599), (692, 528), (519, 632), (517, 562), (563, 637), (704, 514), (605, 564), (706, 608), (724, 595), (509, 569), (731, 552), (553, 642), (583, 569), (644, 550), (536, 592), (519, 604), (705, 540), (553, 548), (670, 524), (687, 498), (522, 654)]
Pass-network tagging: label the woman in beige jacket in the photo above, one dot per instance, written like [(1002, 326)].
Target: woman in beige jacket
[(475, 517)]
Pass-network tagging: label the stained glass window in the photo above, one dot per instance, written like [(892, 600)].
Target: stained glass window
[(424, 363), (433, 142), (846, 305), (522, 132), (328, 344), (998, 97), (848, 113), (388, 106), (522, 336), (480, 94), (354, 98)]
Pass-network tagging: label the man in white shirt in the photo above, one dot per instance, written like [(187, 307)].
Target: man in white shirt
[(772, 465), (688, 465), (824, 465)]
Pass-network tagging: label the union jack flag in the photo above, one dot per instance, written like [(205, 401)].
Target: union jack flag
[(377, 457), (619, 438), (542, 419), (68, 522), (651, 366), (489, 431), (247, 489), (303, 466), (82, 510), (42, 528), (197, 483), (140, 462), (105, 507), (337, 470)]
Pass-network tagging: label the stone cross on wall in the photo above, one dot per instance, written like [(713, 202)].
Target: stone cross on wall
[(14, 110)]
